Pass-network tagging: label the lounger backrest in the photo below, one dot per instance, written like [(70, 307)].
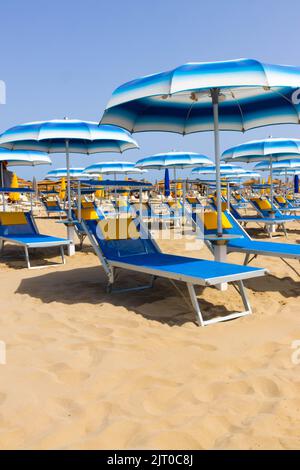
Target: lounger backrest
[(120, 237), (262, 204), (210, 222), (16, 223), (280, 200), (229, 224)]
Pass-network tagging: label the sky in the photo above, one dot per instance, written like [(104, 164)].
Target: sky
[(64, 58)]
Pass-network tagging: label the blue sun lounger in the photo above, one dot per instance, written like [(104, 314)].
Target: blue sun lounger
[(132, 248), (267, 222), (266, 209), (89, 211), (52, 206), (285, 205), (19, 228), (245, 244), (239, 201), (152, 212)]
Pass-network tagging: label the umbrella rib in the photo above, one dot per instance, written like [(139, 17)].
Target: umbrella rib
[(240, 109), (187, 117)]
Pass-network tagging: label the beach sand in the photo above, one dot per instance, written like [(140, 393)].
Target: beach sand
[(90, 370)]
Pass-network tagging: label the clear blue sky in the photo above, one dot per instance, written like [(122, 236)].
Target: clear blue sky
[(65, 57)]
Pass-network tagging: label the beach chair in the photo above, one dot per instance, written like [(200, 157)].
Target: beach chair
[(245, 244), (52, 206), (153, 212), (127, 244), (20, 228), (89, 211), (239, 201), (265, 208), (194, 204), (285, 205), (263, 222)]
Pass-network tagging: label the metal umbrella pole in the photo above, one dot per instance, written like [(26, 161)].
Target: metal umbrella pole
[(2, 184), (70, 228), (271, 178), (175, 186), (215, 102), (228, 195), (79, 201)]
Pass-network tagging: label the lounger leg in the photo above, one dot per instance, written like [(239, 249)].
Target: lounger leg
[(239, 286), (290, 266), (246, 260), (27, 257), (195, 303), (243, 294), (1, 246), (109, 287), (63, 261)]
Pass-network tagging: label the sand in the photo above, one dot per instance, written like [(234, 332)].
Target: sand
[(88, 370)]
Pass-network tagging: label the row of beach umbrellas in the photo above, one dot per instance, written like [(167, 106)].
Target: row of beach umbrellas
[(235, 95)]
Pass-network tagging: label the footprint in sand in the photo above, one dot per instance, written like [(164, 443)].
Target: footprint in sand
[(267, 387), (67, 374)]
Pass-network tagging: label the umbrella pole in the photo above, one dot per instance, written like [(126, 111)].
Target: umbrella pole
[(228, 196), (220, 250), (215, 103), (175, 186), (271, 177), (79, 201), (2, 184), (70, 227)]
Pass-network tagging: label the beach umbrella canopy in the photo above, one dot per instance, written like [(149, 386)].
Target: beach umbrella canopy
[(275, 149), (112, 168), (230, 95), (67, 136), (269, 151), (14, 185), (288, 164), (296, 184), (224, 169), (167, 182), (175, 160), (293, 172), (62, 173), (24, 157)]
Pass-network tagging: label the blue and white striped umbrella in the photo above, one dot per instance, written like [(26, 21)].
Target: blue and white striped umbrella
[(175, 160), (81, 136), (287, 172), (275, 149), (113, 168), (269, 151), (67, 135), (224, 169), (24, 157), (288, 164), (230, 95), (62, 173)]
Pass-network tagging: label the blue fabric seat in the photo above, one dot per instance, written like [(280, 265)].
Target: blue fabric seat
[(19, 228)]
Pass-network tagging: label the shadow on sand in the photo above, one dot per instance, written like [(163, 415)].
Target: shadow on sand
[(88, 285)]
